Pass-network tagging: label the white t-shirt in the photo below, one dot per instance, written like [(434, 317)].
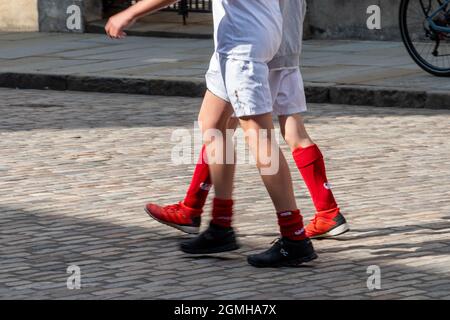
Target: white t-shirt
[(247, 29)]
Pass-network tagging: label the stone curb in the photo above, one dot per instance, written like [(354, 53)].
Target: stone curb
[(315, 92)]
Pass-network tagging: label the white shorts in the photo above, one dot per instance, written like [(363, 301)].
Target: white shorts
[(253, 89)]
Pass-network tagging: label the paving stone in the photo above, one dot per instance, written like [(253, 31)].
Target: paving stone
[(377, 73), (80, 167)]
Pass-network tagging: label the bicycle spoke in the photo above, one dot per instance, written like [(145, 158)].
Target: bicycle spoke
[(423, 38)]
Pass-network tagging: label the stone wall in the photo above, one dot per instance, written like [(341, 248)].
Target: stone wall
[(18, 15), (53, 14), (326, 19), (346, 19)]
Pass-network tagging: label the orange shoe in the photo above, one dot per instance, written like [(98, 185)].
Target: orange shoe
[(327, 224), (177, 216)]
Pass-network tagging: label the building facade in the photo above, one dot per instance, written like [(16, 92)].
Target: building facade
[(48, 15), (19, 15), (326, 19)]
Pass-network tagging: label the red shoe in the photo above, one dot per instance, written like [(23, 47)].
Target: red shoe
[(327, 224), (177, 216)]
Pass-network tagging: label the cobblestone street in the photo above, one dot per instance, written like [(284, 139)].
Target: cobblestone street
[(77, 168)]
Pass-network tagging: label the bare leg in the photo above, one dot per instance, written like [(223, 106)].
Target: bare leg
[(294, 131), (279, 182), (185, 215), (220, 236), (213, 119), (328, 221), (214, 114)]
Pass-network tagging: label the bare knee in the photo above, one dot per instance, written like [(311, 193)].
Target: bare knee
[(294, 140), (207, 122), (294, 131)]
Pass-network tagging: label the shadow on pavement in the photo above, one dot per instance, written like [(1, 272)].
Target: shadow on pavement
[(143, 261)]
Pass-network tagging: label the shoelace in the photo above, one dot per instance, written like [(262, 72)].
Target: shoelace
[(276, 244), (173, 208), (275, 240)]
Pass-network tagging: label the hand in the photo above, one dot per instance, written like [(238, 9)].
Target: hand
[(117, 23)]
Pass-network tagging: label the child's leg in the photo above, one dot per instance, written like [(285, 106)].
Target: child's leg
[(248, 89), (293, 248), (213, 119), (201, 179), (294, 132), (186, 215), (289, 102), (309, 161), (328, 220), (219, 237), (279, 182)]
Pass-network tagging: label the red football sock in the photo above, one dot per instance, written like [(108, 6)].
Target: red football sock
[(291, 225), (310, 162), (222, 212), (200, 184)]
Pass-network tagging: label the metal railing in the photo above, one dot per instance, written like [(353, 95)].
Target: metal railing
[(183, 7)]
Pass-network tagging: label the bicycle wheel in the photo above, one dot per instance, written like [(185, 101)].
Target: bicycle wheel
[(429, 48)]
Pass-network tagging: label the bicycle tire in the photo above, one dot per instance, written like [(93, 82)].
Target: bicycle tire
[(418, 59)]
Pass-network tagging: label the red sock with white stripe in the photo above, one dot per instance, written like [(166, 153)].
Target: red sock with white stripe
[(310, 162), (291, 225), (222, 212), (200, 183)]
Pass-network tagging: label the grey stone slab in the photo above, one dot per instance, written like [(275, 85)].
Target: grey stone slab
[(20, 36), (90, 67), (100, 49), (361, 59), (337, 71), (148, 69), (387, 76), (39, 64), (350, 46), (46, 135), (418, 79), (175, 72), (37, 47), (147, 52)]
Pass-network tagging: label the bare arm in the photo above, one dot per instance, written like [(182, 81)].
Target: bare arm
[(116, 24), (144, 7)]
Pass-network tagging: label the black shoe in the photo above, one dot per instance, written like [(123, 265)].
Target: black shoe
[(215, 239), (284, 253)]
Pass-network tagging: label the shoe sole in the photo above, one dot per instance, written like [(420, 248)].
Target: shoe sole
[(293, 263), (185, 229), (226, 248), (337, 231)]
